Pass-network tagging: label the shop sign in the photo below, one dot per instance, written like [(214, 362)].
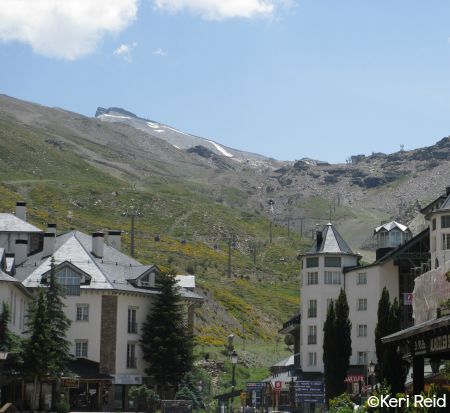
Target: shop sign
[(354, 378), (70, 383), (310, 391), (127, 379), (432, 345)]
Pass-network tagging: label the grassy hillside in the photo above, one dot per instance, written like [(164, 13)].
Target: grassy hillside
[(61, 187)]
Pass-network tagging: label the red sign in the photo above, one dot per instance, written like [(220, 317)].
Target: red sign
[(356, 378), (278, 385)]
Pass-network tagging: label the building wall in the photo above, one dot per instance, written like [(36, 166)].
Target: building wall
[(142, 304), (439, 254), (85, 330), (17, 302), (8, 240), (320, 292)]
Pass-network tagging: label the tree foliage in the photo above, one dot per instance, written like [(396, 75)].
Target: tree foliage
[(390, 363), (144, 398), (166, 340), (337, 346), (60, 324)]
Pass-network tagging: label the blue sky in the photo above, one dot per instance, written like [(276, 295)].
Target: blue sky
[(285, 78)]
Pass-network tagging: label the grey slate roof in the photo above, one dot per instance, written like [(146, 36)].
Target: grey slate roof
[(112, 272), (390, 226), (331, 243), (10, 223), (445, 205)]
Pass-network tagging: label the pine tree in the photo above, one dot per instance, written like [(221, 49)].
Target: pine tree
[(166, 341), (343, 348), (12, 344), (38, 357), (329, 343), (60, 324), (4, 336)]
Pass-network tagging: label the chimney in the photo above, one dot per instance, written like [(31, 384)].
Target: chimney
[(97, 244), (49, 244), (51, 228), (21, 251), (319, 238), (21, 210), (114, 239)]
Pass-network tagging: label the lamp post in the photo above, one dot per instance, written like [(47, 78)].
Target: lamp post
[(371, 371), (234, 360)]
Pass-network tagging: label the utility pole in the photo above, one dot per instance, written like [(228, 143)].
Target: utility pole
[(132, 236), (229, 257)]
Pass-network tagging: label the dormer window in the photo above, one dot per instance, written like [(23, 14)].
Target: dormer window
[(70, 280), (148, 280), (145, 281)]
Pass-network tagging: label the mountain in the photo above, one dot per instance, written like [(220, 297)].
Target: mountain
[(178, 139), (88, 172)]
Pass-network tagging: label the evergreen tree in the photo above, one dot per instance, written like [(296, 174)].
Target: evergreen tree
[(382, 329), (329, 343), (39, 357), (343, 347), (166, 340), (10, 343), (60, 324)]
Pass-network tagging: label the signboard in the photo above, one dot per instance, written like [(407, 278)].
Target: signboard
[(310, 391), (70, 383), (431, 345), (354, 378), (407, 298), (278, 385), (127, 379), (259, 385)]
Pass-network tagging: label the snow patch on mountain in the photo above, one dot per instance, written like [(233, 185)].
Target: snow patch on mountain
[(221, 150)]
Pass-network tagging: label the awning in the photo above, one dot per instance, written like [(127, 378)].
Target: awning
[(87, 369)]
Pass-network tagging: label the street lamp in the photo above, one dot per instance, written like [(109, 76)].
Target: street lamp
[(371, 371), (435, 364), (234, 360)]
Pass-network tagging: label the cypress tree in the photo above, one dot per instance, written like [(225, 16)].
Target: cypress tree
[(382, 329), (10, 343), (166, 341), (343, 347), (329, 343), (4, 336), (60, 324)]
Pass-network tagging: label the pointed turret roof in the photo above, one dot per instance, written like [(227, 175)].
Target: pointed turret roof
[(329, 241)]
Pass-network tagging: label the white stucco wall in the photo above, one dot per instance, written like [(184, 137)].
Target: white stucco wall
[(17, 302), (437, 248), (143, 304), (320, 292)]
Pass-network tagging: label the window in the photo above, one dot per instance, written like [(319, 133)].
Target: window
[(312, 334), (362, 304), (362, 357), (131, 356), (132, 325), (313, 278), (81, 348), (362, 278), (433, 224), (362, 330), (332, 277), (445, 221), (70, 280), (82, 312), (312, 309), (446, 241), (312, 262), (332, 261), (312, 358)]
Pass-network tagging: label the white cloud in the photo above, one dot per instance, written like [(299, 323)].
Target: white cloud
[(65, 29), (124, 51), (159, 52), (222, 9)]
